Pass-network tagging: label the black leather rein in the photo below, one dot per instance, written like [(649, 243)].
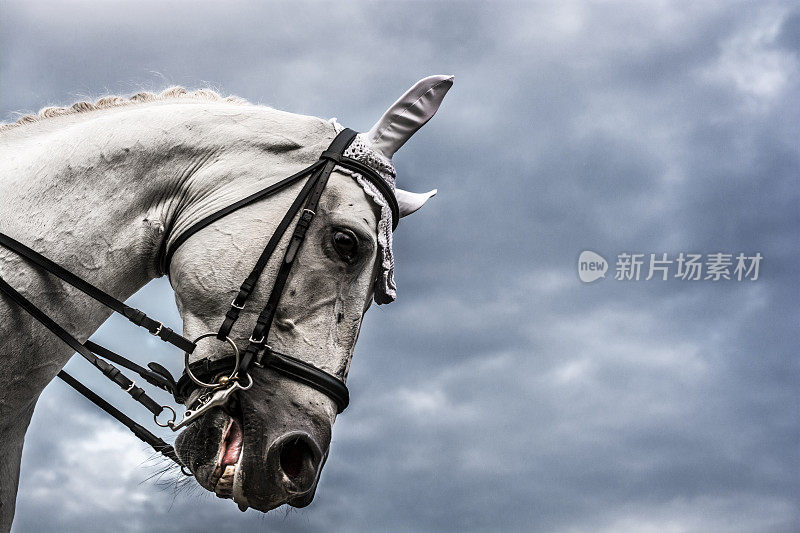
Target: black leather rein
[(228, 373)]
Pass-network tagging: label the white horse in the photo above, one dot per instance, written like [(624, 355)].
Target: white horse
[(103, 188)]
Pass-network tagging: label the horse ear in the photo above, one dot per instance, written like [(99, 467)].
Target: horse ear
[(408, 202), (409, 114)]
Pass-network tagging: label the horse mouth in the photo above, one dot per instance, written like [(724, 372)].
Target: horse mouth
[(225, 478)]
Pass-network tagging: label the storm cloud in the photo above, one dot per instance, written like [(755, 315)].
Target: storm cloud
[(499, 393)]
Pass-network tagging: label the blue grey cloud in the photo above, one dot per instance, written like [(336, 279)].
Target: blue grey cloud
[(499, 393)]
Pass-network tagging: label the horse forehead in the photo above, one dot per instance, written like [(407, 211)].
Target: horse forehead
[(344, 196)]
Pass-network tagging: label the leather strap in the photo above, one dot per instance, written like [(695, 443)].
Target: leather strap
[(263, 193), (134, 315), (157, 375), (308, 374), (318, 182), (330, 154), (249, 283), (140, 431), (283, 364), (264, 321), (110, 371), (373, 177)]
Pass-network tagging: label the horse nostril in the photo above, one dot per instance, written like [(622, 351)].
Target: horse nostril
[(294, 456), (299, 458)]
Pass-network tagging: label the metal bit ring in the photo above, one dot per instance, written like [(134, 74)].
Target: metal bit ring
[(168, 422), (202, 383)]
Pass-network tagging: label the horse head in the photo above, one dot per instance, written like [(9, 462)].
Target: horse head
[(266, 445)]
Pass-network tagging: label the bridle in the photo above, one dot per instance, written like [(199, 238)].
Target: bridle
[(211, 383), (258, 352)]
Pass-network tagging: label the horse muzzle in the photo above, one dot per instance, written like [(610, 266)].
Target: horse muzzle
[(264, 449)]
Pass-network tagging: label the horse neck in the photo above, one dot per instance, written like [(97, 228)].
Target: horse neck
[(90, 197), (94, 193)]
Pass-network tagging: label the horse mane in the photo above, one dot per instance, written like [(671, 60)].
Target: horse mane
[(110, 101)]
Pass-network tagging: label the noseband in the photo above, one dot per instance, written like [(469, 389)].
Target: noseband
[(229, 374)]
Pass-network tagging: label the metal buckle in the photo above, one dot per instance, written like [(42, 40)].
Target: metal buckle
[(256, 341), (218, 399), (202, 383), (239, 307), (130, 388), (312, 213), (158, 329)]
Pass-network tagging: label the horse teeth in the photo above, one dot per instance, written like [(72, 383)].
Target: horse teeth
[(224, 487)]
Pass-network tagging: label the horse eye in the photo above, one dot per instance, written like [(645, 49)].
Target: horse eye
[(346, 244)]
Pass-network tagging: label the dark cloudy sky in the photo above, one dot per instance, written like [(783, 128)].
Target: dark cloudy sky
[(499, 393)]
